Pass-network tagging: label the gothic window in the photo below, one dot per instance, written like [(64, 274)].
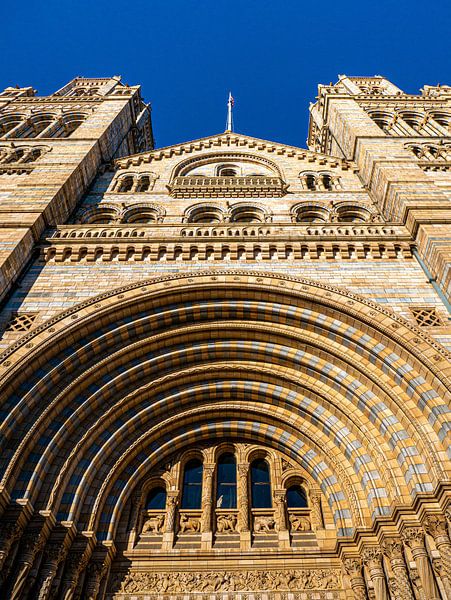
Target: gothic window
[(192, 484), (260, 484), (226, 485), (296, 497), (156, 499)]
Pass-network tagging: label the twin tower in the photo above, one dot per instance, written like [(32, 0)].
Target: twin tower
[(225, 367)]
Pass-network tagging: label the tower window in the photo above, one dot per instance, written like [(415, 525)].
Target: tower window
[(192, 484), (226, 489), (260, 484)]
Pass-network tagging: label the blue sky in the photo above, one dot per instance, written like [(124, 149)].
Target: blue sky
[(187, 54)]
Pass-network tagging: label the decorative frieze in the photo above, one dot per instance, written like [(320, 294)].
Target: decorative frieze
[(225, 581)]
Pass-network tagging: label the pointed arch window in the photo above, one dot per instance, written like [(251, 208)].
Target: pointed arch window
[(260, 484), (156, 499), (296, 497), (192, 484), (226, 485)]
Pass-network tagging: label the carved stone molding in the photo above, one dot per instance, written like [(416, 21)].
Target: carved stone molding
[(226, 581)]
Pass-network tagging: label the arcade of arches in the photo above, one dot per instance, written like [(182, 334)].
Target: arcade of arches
[(151, 427)]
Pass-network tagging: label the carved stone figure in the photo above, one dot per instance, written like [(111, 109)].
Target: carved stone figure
[(153, 525), (264, 525), (299, 523), (226, 523), (189, 524), (223, 581)]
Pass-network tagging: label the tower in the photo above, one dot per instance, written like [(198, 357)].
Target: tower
[(225, 363)]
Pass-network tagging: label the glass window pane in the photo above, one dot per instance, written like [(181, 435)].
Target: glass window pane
[(296, 497), (226, 488), (192, 484), (260, 484), (156, 500)]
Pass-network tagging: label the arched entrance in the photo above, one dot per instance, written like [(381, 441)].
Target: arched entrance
[(114, 398)]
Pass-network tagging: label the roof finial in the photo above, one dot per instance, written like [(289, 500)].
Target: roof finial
[(230, 103)]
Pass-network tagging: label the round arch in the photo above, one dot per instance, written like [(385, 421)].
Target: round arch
[(100, 393)]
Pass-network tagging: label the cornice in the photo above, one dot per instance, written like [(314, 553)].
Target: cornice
[(233, 142)]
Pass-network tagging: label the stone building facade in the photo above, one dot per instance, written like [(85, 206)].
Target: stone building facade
[(225, 364)]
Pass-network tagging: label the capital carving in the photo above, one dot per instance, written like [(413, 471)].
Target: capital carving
[(55, 553), (372, 556), (393, 549), (353, 567), (436, 526), (413, 537), (9, 532)]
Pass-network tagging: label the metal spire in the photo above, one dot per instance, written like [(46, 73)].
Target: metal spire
[(230, 103)]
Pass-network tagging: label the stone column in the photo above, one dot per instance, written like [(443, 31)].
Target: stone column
[(317, 511), (32, 542), (437, 527), (393, 549), (169, 521), (53, 554), (414, 538), (75, 563), (437, 565), (207, 506), (372, 558), (243, 506), (353, 567), (97, 570), (281, 518), (9, 533)]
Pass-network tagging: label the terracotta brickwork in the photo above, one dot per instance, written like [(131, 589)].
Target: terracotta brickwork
[(225, 364)]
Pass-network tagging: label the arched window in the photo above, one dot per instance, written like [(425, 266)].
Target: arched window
[(143, 184), (327, 181), (296, 497), (125, 184), (226, 488), (192, 484), (310, 182), (260, 484), (156, 499)]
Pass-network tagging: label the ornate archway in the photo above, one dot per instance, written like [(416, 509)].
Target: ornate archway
[(96, 401)]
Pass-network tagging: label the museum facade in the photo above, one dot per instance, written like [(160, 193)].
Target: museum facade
[(225, 364)]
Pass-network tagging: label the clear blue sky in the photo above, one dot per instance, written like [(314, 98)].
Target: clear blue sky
[(187, 54)]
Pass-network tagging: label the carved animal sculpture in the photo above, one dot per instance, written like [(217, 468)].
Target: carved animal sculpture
[(300, 523), (226, 523), (264, 525), (153, 525), (189, 524)]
